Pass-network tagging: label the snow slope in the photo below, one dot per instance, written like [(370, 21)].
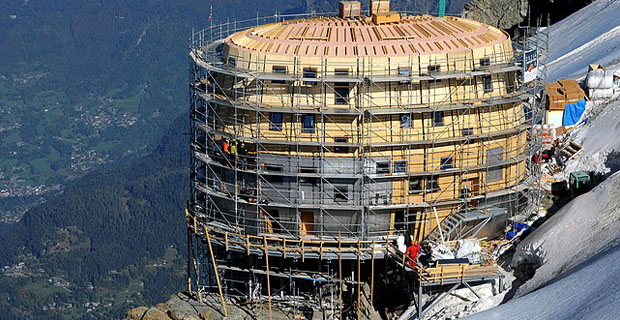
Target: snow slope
[(600, 137), (590, 35), (589, 293)]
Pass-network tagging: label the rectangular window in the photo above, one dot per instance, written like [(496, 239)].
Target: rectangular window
[(488, 85), (434, 69), (383, 167), (495, 158), (307, 122), (310, 73), (400, 166), (342, 95), (432, 185), (279, 70), (341, 72), (307, 170), (273, 168), (437, 118), (275, 121), (308, 180), (485, 62), (405, 121), (274, 179), (466, 133), (341, 149), (404, 71), (232, 62), (446, 163), (341, 193), (416, 185)]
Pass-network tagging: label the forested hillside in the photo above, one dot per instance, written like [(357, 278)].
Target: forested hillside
[(93, 116)]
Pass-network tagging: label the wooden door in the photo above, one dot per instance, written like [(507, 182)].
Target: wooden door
[(307, 223)]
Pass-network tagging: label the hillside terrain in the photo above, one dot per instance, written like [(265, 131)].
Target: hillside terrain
[(93, 133), (89, 94)]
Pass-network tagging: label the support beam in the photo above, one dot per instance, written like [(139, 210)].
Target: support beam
[(442, 296), (472, 290), (340, 271), (442, 8), (359, 286), (267, 267), (372, 273), (217, 275)]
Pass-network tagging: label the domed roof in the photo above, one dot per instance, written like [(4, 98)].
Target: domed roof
[(337, 37)]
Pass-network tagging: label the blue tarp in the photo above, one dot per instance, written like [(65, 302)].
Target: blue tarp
[(573, 112)]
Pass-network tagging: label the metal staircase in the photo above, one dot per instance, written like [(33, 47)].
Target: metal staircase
[(463, 224)]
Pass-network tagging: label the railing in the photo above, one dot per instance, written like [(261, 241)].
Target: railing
[(222, 30)]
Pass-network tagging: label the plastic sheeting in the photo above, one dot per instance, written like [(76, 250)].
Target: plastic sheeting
[(441, 252), (469, 249), (573, 112), (601, 94), (599, 79)]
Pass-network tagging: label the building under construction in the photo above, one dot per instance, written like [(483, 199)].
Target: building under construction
[(318, 141)]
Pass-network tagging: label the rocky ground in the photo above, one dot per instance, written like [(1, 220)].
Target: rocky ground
[(181, 306)]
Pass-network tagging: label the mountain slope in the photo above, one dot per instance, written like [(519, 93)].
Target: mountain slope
[(590, 35)]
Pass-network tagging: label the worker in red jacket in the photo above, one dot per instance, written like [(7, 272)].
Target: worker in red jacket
[(413, 251)]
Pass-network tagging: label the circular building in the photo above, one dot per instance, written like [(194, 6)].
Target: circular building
[(325, 132)]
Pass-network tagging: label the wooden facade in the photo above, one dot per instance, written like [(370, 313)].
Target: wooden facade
[(345, 125)]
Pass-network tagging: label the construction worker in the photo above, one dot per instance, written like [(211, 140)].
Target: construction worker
[(225, 146), (243, 154), (233, 151), (413, 251)]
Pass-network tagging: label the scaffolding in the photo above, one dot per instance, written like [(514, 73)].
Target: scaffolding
[(328, 170)]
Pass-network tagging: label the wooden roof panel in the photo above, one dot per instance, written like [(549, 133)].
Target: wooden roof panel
[(334, 36)]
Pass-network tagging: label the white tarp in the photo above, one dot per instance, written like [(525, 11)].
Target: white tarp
[(600, 79), (601, 94)]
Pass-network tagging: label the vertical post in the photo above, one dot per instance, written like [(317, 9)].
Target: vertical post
[(267, 267), (420, 297), (217, 275), (372, 273), (359, 264), (189, 253), (340, 271), (442, 8)]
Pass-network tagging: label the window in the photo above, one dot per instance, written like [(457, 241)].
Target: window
[(404, 71), (342, 95), (307, 122), (308, 180), (232, 62), (495, 157), (309, 73), (341, 193), (446, 163), (416, 185), (488, 85), (270, 167), (437, 118), (278, 69), (400, 166), (405, 121), (307, 170), (274, 179), (383, 167), (466, 133), (275, 121), (341, 72), (434, 69), (341, 149), (432, 185), (485, 62)]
